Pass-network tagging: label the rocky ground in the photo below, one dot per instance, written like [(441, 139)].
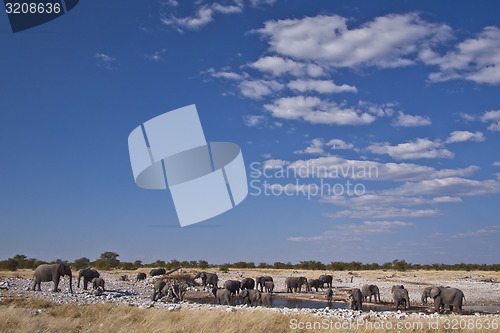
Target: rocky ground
[(479, 289)]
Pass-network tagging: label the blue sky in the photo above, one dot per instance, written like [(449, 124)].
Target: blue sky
[(406, 89)]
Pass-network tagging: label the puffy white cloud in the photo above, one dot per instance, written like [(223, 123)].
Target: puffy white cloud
[(261, 2), (462, 136), (338, 167), (316, 111), (496, 163), (320, 86), (420, 148), (204, 15), (225, 74), (475, 59), (257, 89), (453, 186), (406, 120), (385, 199), (385, 213), (157, 55), (467, 117), (253, 120), (316, 147), (387, 41), (486, 231), (494, 117), (354, 231), (105, 61), (274, 164), (279, 66), (339, 144)]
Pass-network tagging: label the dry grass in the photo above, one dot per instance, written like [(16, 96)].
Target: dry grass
[(37, 315), (255, 272)]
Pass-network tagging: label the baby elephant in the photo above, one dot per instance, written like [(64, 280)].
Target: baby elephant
[(329, 295), (355, 299), (266, 299), (269, 286), (368, 290), (98, 282), (400, 297), (250, 297), (223, 295), (157, 290)]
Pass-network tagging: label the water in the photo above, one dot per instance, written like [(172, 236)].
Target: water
[(293, 303), (483, 308)]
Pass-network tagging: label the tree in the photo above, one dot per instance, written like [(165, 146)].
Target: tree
[(81, 263), (108, 260), (21, 260), (202, 264), (128, 266), (9, 264), (138, 263)]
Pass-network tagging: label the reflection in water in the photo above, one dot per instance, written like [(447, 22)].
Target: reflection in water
[(483, 308), (302, 303), (292, 303)]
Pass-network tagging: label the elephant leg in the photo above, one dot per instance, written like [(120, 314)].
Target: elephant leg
[(56, 283)]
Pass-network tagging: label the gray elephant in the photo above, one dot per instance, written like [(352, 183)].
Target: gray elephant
[(400, 297), (98, 282), (294, 284), (233, 286), (174, 292), (207, 279), (247, 283), (443, 296), (140, 276), (222, 295), (266, 299), (313, 283), (250, 297), (261, 280), (157, 291), (47, 273), (124, 278), (326, 279), (368, 290), (157, 271), (355, 299), (329, 295), (269, 285), (87, 274)]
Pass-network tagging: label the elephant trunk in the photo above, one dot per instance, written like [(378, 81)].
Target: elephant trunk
[(424, 298), (70, 282)]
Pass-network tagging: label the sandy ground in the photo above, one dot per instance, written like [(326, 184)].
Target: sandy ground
[(480, 288)]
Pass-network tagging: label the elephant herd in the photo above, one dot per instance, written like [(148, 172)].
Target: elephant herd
[(443, 296), (294, 284), (247, 290), (54, 272)]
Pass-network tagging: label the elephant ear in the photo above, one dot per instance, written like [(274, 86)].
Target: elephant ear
[(435, 292)]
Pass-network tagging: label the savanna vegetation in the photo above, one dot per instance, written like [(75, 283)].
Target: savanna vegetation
[(109, 260), (18, 314)]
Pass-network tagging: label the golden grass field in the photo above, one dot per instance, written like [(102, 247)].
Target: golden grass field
[(38, 315), (21, 314)]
